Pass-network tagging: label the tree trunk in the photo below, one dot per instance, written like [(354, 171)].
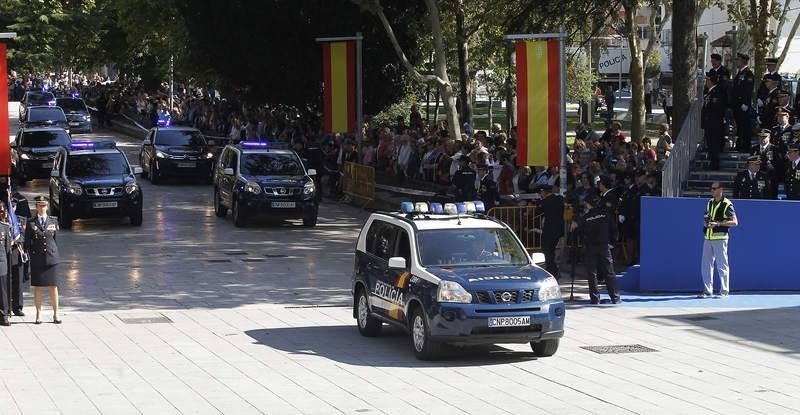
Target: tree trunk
[(636, 72), (436, 110), (684, 59), (781, 21), (441, 70), (465, 84), (788, 44), (490, 113), (758, 33), (511, 96)]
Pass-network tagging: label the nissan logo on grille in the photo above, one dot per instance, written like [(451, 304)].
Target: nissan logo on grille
[(506, 296)]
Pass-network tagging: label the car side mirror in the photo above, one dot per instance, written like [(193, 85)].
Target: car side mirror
[(138, 170), (397, 263), (538, 258), (54, 173), (312, 172), (228, 171), (146, 142)]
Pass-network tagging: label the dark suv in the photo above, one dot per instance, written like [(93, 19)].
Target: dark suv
[(258, 179), (33, 98), (94, 179), (45, 116), (77, 114), (33, 151), (176, 151)]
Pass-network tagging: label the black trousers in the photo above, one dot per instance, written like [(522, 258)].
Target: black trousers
[(549, 244), (598, 260), (715, 135), (19, 274), (5, 306), (744, 129), (648, 103)]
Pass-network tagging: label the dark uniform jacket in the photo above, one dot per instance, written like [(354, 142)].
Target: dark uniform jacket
[(763, 92), (792, 182), (714, 105), (629, 208), (40, 244), (597, 227), (464, 181), (610, 201), (488, 192), (770, 109), (782, 134), (552, 208), (5, 245), (723, 74), (759, 187), (771, 156), (742, 89)]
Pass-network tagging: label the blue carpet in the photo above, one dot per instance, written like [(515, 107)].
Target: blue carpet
[(735, 300)]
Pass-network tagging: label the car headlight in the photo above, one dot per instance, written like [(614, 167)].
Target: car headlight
[(452, 292), (309, 187), (162, 155), (549, 290), (131, 187), (88, 118), (75, 189), (252, 187), (209, 155), (25, 156)]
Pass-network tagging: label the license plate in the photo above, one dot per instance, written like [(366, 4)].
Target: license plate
[(188, 165), (283, 204), (47, 165), (105, 205), (74, 124), (517, 321)]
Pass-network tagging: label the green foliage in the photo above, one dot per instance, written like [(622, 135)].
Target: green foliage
[(653, 66), (401, 108), (580, 79)]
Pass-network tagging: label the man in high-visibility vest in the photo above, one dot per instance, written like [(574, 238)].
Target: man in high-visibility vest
[(719, 217)]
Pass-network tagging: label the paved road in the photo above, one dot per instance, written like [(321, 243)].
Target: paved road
[(188, 314)]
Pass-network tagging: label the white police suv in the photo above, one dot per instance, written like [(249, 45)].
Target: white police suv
[(450, 274)]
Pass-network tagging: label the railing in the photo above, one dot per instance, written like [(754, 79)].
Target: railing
[(358, 182), (679, 164), (523, 221)]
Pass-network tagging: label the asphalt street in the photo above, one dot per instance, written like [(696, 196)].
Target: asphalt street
[(188, 314)]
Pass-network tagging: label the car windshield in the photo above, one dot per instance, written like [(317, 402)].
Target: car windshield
[(470, 247), (39, 99), (44, 139), (180, 138), (97, 164), (69, 104), (271, 164), (46, 114)]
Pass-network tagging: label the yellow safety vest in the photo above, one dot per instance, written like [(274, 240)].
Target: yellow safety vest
[(716, 213)]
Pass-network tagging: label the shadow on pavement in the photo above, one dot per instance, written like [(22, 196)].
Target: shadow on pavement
[(392, 348)]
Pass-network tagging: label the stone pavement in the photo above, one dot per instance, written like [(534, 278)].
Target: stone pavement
[(188, 314)]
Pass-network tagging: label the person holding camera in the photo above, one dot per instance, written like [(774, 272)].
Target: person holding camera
[(720, 216)]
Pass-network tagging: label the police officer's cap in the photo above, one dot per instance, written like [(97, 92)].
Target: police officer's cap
[(41, 200), (772, 77), (779, 113), (763, 133), (712, 76), (793, 147), (716, 56), (743, 56), (754, 160), (771, 61)]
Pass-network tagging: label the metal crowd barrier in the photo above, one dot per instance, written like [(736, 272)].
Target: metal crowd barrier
[(358, 182), (679, 164), (523, 221)]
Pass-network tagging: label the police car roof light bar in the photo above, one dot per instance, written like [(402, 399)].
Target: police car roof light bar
[(436, 208), (81, 145), (255, 144)]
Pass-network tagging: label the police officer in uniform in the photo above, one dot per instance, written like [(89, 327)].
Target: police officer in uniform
[(552, 207), (629, 213), (719, 70), (713, 119), (792, 179), (752, 183), (40, 244), (488, 188), (772, 159), (763, 88), (741, 102), (464, 180), (5, 286), (598, 231), (719, 217), (771, 102)]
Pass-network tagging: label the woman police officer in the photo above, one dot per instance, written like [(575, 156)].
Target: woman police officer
[(40, 244)]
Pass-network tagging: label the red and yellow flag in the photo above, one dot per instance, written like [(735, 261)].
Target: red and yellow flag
[(539, 103), (339, 75), (5, 147)]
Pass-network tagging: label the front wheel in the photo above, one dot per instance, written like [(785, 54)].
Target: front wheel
[(136, 218), (310, 221), (545, 348), (425, 348), (219, 210), (367, 325), (154, 177), (144, 172), (238, 219)]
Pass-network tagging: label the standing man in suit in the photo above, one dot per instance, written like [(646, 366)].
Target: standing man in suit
[(763, 89), (741, 102), (713, 118), (719, 70), (771, 101), (752, 183), (793, 174), (772, 158), (629, 213), (488, 188), (40, 244), (552, 207)]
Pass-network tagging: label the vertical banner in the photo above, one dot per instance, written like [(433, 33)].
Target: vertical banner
[(5, 146), (539, 103), (339, 76)]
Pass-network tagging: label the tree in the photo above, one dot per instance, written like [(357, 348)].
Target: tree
[(636, 71), (684, 59), (781, 21), (788, 44)]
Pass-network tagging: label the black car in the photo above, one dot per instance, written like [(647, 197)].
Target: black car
[(33, 151), (94, 179), (176, 152), (34, 98), (258, 179), (77, 114), (45, 116)]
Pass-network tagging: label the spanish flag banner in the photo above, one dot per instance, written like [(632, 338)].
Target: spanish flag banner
[(339, 76), (539, 103)]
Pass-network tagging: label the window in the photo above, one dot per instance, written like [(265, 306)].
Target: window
[(189, 138), (229, 159), (71, 105), (380, 239), (470, 247), (46, 114), (44, 138), (97, 164), (271, 164), (404, 246)]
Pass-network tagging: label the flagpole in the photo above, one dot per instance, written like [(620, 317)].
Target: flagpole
[(562, 65), (359, 103)]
